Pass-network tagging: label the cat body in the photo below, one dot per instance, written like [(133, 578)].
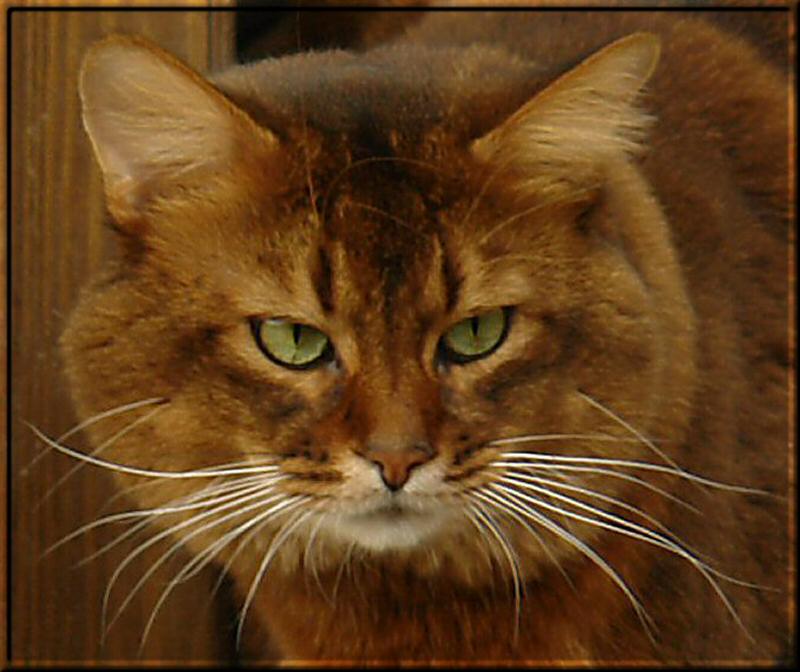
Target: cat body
[(612, 221)]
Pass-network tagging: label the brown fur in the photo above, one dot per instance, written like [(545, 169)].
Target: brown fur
[(385, 197)]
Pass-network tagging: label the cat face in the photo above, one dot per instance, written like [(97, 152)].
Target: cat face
[(377, 350)]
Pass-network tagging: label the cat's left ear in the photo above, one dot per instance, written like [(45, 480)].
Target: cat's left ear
[(154, 123), (582, 119)]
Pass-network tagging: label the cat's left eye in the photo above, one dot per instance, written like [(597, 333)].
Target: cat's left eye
[(475, 337), (291, 344)]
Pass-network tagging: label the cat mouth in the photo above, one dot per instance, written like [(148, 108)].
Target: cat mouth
[(390, 511), (389, 525)]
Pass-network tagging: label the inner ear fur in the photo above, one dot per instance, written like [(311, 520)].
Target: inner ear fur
[(585, 118), (155, 123)]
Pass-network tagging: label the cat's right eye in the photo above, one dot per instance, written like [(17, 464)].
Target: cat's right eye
[(291, 344)]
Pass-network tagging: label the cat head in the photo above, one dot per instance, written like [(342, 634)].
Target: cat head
[(391, 287)]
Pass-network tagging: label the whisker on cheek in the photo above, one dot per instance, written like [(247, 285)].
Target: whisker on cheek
[(293, 501), (280, 538), (206, 472), (621, 526), (548, 468), (308, 558), (88, 422), (221, 493), (262, 496), (103, 446), (481, 517), (522, 477), (630, 428), (505, 501), (530, 438), (560, 461), (202, 559)]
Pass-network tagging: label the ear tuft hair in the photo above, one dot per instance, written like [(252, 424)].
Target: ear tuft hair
[(153, 121), (586, 117)]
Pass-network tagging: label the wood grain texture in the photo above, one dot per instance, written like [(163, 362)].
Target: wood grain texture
[(58, 239), (3, 358)]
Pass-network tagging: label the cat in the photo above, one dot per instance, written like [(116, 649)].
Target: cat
[(473, 346)]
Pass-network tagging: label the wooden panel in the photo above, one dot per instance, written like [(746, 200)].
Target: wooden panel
[(57, 241), (3, 366)]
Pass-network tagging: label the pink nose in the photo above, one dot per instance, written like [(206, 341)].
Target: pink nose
[(396, 463)]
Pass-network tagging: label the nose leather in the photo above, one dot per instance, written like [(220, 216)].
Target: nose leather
[(396, 462), (392, 419)]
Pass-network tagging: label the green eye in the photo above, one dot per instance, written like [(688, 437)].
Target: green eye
[(475, 337), (296, 346)]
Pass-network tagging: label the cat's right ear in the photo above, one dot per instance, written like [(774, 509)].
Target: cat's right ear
[(155, 123)]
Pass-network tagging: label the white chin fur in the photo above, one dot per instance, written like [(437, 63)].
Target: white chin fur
[(381, 531)]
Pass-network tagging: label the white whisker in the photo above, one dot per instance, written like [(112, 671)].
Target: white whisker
[(257, 523), (344, 564), (676, 541), (548, 468), (531, 487), (206, 472), (310, 562), (122, 493), (560, 460), (512, 502), (528, 438), (183, 504), (277, 542), (485, 518), (476, 201), (647, 442), (626, 528), (106, 444), (145, 523), (545, 548), (201, 560), (117, 410), (171, 531), (239, 548), (592, 493)]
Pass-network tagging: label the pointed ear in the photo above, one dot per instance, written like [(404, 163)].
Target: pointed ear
[(154, 122), (585, 117)]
